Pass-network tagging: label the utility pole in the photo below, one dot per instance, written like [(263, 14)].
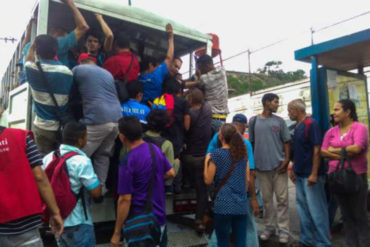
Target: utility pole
[(249, 71), (129, 2), (312, 32)]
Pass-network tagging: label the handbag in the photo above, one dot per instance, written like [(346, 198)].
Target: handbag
[(208, 217), (142, 229), (344, 181), (63, 118), (121, 89)]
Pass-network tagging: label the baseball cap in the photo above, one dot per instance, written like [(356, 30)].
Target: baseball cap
[(85, 56), (240, 118)]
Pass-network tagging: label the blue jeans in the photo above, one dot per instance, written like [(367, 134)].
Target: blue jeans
[(313, 212), (252, 236), (77, 236), (238, 226)]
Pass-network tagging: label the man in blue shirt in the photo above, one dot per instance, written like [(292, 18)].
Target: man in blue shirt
[(78, 226), (101, 112), (240, 122), (152, 76), (309, 177), (60, 79), (134, 107)]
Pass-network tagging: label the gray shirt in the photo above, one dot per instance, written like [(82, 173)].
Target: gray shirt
[(269, 135), (214, 86), (99, 96)]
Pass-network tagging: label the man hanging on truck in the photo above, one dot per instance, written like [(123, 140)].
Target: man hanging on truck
[(66, 41), (152, 75), (60, 80), (94, 43)]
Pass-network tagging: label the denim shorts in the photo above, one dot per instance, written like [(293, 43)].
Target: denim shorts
[(79, 236)]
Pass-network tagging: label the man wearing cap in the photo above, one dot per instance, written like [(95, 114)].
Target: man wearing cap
[(101, 111), (240, 123)]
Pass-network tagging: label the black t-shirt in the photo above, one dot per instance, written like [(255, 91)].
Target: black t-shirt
[(200, 132), (175, 133)]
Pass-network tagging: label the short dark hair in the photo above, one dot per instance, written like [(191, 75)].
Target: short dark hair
[(205, 60), (348, 104), (131, 128), (178, 58), (134, 88), (269, 97), (96, 34), (197, 96), (144, 65), (122, 40), (157, 120), (72, 132), (171, 86), (46, 46)]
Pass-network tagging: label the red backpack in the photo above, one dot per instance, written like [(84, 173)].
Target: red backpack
[(59, 180)]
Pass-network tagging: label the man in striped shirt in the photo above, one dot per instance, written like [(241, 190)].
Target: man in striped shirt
[(20, 163), (60, 79)]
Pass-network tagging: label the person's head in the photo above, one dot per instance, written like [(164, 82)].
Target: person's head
[(46, 46), (149, 64), (157, 120), (205, 64), (135, 90), (86, 58), (270, 101), (171, 86), (344, 110), (296, 109), (58, 32), (121, 41), (240, 122), (228, 134), (130, 129), (74, 134), (93, 41), (175, 66), (196, 97)]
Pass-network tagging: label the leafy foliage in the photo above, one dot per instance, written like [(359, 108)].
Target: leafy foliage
[(269, 76)]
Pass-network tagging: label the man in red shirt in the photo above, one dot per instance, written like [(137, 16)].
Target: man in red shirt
[(118, 65)]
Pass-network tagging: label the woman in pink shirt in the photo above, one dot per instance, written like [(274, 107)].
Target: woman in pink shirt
[(353, 136)]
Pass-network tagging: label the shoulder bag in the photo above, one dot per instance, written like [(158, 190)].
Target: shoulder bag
[(344, 181), (143, 229)]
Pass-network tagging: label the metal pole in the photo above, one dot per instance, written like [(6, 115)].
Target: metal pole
[(249, 71), (312, 32), (190, 64), (129, 2)]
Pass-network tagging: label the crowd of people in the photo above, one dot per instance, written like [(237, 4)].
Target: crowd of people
[(165, 136)]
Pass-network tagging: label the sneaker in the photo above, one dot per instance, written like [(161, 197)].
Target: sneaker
[(283, 238), (266, 235)]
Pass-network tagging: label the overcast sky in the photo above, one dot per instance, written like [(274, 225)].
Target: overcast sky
[(240, 24)]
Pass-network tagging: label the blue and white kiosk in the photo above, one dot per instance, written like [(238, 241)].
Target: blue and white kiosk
[(337, 72)]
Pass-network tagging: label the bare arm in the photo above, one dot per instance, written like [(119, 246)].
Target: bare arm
[(27, 37), (108, 42), (171, 45), (312, 179), (284, 164), (47, 195), (123, 208), (252, 193), (81, 24), (31, 53), (170, 174), (189, 84), (96, 193), (209, 172), (330, 155), (187, 122)]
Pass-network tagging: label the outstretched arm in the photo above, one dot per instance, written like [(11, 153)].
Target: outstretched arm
[(81, 24), (108, 42), (171, 45), (31, 53)]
